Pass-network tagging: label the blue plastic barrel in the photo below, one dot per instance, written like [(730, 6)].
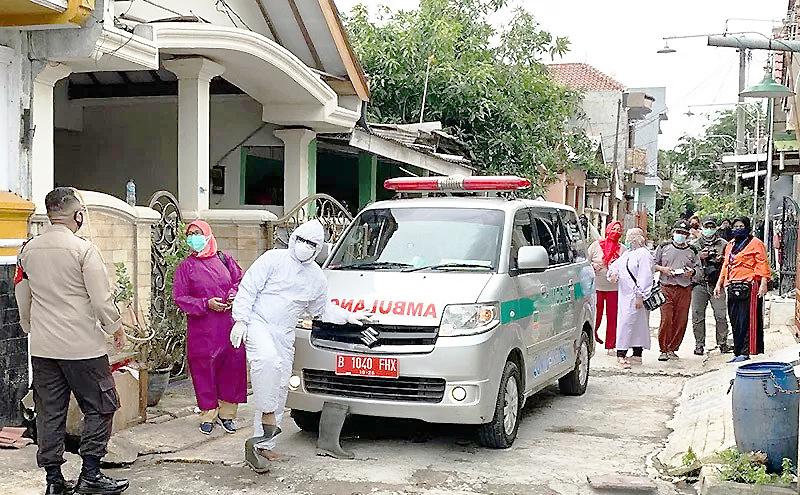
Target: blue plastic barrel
[(765, 418)]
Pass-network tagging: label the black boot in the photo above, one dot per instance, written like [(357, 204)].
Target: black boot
[(59, 487), (100, 484), (256, 461), (330, 428)]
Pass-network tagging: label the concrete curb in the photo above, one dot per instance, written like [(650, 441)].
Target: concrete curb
[(711, 484)]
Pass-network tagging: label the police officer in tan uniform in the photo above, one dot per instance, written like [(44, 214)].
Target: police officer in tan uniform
[(67, 308)]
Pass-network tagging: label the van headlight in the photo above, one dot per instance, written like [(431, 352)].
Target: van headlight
[(469, 319)]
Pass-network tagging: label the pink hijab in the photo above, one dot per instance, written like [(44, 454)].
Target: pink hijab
[(211, 247)]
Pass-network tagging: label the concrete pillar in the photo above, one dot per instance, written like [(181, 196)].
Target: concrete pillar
[(42, 154), (299, 165), (194, 78), (367, 179)]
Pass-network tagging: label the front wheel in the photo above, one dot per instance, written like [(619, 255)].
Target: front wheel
[(576, 381), (306, 421), (502, 431)]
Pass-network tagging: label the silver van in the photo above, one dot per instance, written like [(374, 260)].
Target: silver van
[(478, 303)]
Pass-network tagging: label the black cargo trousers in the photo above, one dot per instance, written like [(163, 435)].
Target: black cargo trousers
[(91, 382)]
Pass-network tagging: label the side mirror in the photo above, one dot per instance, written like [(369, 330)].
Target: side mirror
[(533, 258), (322, 257)]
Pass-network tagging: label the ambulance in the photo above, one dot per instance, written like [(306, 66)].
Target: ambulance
[(479, 300)]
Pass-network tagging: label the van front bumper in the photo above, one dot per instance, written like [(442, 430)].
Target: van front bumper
[(461, 362)]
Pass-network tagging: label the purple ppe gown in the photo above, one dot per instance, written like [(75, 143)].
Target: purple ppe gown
[(219, 372)]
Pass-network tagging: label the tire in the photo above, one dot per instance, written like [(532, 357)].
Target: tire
[(576, 381), (306, 421), (502, 431)]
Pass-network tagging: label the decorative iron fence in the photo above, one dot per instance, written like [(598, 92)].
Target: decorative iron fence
[(332, 214), (787, 254)]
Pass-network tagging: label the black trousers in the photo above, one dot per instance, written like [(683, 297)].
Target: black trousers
[(739, 314), (91, 382)]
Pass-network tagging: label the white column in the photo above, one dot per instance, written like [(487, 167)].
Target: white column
[(194, 76), (299, 167), (6, 146), (42, 155)]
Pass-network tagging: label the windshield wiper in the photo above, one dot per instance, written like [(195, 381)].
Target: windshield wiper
[(446, 266), (375, 265)]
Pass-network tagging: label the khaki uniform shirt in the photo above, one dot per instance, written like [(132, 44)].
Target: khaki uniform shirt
[(66, 304)]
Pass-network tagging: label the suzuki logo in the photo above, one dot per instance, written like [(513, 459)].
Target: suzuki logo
[(369, 337)]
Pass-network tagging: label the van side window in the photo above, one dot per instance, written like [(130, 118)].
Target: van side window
[(545, 223), (521, 236), (577, 243)]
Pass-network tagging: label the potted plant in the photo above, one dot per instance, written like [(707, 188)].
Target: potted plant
[(160, 338)]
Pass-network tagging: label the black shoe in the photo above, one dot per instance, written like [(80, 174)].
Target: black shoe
[(206, 428), (699, 351), (228, 425), (59, 488), (725, 349), (100, 485)]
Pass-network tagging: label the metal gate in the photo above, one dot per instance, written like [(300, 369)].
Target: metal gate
[(168, 324), (332, 214), (787, 255)]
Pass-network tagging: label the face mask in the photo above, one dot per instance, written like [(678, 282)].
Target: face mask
[(740, 233), (196, 242), (709, 232), (303, 252), (613, 236), (79, 222), (679, 238)]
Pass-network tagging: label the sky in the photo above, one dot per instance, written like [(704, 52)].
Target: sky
[(621, 37)]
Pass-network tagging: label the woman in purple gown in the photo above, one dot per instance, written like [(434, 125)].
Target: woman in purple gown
[(205, 285)]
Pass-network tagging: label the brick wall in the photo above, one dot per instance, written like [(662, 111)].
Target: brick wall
[(244, 242), (13, 352)]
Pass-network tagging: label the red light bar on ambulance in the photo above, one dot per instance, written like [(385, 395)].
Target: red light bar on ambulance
[(480, 183)]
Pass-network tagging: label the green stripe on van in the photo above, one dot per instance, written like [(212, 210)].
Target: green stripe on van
[(525, 307)]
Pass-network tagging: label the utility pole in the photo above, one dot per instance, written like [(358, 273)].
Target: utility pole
[(612, 198), (740, 116)]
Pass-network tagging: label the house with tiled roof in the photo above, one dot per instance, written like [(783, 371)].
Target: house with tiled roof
[(609, 115)]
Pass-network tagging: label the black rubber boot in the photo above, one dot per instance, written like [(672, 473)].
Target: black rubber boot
[(256, 461), (330, 429)]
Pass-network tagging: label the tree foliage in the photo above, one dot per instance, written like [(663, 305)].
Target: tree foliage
[(488, 87), (700, 157)]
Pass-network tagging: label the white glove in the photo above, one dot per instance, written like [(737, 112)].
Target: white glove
[(238, 334), (358, 318)]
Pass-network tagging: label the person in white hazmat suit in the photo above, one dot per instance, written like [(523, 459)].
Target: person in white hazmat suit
[(282, 286)]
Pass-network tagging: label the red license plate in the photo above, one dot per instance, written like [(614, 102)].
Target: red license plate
[(381, 367)]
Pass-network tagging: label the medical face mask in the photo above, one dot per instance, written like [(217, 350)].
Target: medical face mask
[(709, 232), (304, 252), (196, 242), (679, 238)]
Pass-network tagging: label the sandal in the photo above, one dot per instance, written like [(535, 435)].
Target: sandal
[(624, 363)]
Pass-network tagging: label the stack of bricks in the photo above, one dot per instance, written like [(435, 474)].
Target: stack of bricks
[(245, 241), (13, 352)]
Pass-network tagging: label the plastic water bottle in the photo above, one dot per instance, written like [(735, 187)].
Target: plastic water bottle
[(130, 193)]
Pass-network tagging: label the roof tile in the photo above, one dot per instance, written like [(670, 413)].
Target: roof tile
[(584, 77)]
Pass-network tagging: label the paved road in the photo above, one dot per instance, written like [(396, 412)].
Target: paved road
[(563, 440)]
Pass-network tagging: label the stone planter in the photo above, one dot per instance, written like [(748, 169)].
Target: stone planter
[(711, 484)]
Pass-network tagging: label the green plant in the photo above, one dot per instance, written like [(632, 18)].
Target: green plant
[(689, 458), (750, 468), (160, 336)]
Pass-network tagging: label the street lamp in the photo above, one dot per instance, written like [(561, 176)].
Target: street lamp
[(770, 89), (666, 48)]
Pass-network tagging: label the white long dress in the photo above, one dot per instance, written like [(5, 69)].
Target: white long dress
[(633, 327)]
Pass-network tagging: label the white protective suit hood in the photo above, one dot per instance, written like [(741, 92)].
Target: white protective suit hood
[(311, 231)]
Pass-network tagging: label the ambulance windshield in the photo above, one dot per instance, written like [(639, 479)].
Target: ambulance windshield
[(415, 239)]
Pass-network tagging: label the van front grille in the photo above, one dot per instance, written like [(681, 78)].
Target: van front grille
[(406, 389), (387, 334)]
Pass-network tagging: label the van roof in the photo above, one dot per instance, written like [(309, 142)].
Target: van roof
[(491, 203)]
